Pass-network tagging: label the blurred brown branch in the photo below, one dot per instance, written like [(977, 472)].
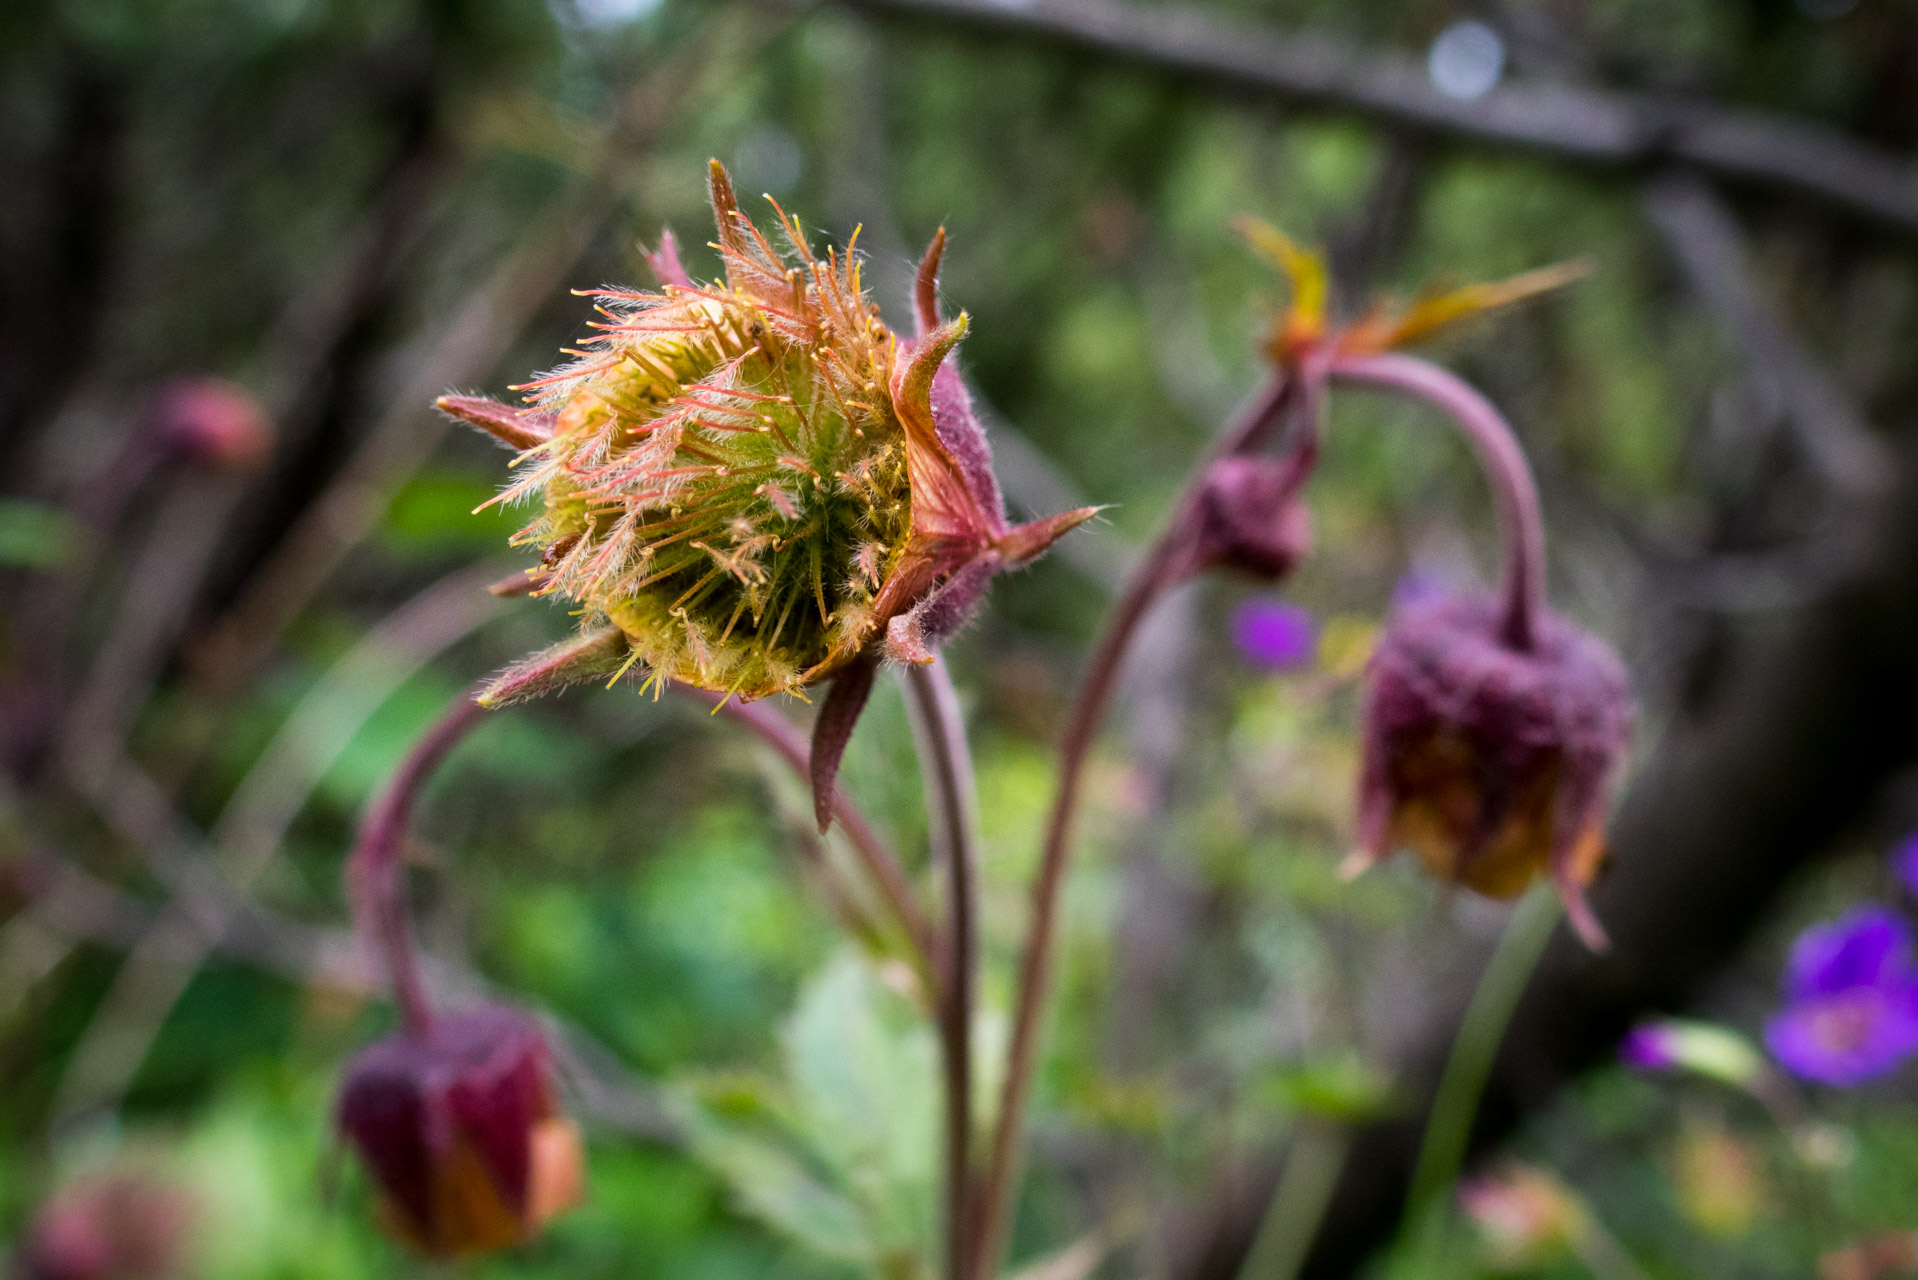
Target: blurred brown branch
[(1612, 129), (1795, 395), (1793, 384)]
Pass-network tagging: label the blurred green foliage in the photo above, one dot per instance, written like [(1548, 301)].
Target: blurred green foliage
[(627, 865)]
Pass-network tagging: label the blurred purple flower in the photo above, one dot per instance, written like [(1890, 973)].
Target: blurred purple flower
[(1673, 1044), (1904, 861), (1851, 1000), (1649, 1047), (1418, 585), (1274, 634)]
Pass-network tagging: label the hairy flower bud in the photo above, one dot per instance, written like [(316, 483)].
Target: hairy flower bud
[(113, 1226), (1491, 762), (212, 422), (1249, 517), (458, 1125), (754, 485)]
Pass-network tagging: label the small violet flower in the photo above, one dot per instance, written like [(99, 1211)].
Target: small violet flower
[(1681, 1044), (1274, 634), (1649, 1047), (1851, 1000), (1417, 586)]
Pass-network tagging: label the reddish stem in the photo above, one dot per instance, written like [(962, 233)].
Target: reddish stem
[(939, 734), (1514, 494), (373, 871), (879, 862), (1158, 571)]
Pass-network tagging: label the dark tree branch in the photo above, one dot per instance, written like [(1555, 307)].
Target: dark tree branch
[(51, 280), (1708, 246), (1593, 127)]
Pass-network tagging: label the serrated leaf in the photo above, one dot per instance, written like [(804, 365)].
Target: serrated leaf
[(864, 1077), (773, 1183), (841, 1153)]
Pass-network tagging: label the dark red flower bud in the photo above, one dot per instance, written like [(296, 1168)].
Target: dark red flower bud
[(459, 1126), (212, 422), (1491, 762), (117, 1226), (1249, 517)]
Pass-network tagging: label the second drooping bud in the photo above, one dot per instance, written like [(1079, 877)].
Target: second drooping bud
[(1249, 516), (1491, 761), (458, 1124)]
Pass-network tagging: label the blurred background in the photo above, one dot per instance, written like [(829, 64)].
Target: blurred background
[(244, 244)]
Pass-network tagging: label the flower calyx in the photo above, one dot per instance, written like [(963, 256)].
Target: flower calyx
[(1247, 516), (1305, 326), (457, 1123), (755, 485), (1491, 762)]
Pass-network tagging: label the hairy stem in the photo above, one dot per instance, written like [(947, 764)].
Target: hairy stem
[(878, 861), (1157, 572), (1513, 491), (373, 871), (945, 762)]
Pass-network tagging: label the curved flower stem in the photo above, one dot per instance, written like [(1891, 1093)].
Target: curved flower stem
[(1513, 491), (379, 898), (373, 869), (1157, 572), (945, 760), (878, 861)]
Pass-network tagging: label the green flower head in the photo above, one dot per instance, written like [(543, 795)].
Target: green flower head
[(749, 486)]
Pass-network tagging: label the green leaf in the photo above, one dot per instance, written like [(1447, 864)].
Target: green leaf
[(36, 536), (1342, 1087), (770, 1177), (840, 1154)]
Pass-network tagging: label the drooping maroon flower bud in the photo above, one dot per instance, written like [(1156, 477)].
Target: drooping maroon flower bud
[(1489, 760), (1249, 518), (115, 1226), (458, 1124), (212, 422)]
